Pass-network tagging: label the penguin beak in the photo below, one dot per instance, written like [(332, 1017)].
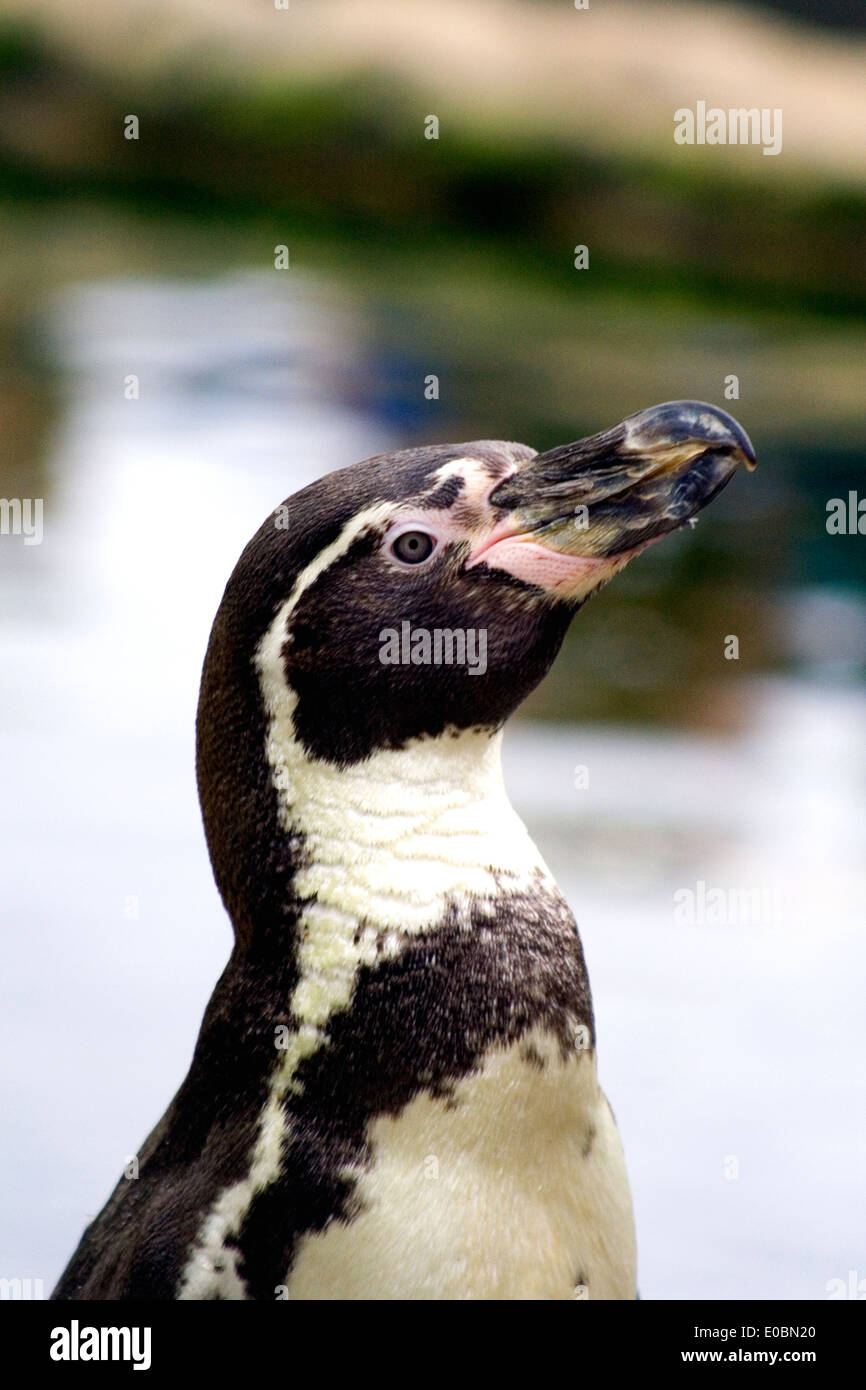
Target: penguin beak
[(570, 518)]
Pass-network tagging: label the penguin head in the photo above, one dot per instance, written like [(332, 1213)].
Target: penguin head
[(426, 592), (488, 545)]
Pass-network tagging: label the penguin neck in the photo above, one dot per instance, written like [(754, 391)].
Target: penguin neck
[(402, 844), (391, 843), (394, 842)]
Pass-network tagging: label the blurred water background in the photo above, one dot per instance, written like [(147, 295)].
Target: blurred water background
[(731, 1040)]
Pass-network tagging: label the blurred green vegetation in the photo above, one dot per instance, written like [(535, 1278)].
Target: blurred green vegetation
[(346, 157)]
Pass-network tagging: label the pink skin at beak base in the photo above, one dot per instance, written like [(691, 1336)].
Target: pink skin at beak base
[(566, 576)]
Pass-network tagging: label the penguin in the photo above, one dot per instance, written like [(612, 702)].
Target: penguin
[(394, 1093)]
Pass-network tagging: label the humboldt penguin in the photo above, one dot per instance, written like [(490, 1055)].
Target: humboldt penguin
[(394, 1092)]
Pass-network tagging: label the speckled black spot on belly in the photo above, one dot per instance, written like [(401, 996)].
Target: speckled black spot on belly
[(530, 1054)]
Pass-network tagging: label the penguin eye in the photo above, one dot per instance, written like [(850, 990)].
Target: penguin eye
[(412, 547)]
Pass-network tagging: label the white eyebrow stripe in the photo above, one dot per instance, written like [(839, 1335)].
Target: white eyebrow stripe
[(382, 511)]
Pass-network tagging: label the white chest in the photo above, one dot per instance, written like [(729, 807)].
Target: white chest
[(390, 839), (390, 844)]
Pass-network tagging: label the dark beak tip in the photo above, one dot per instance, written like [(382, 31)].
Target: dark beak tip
[(676, 422)]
